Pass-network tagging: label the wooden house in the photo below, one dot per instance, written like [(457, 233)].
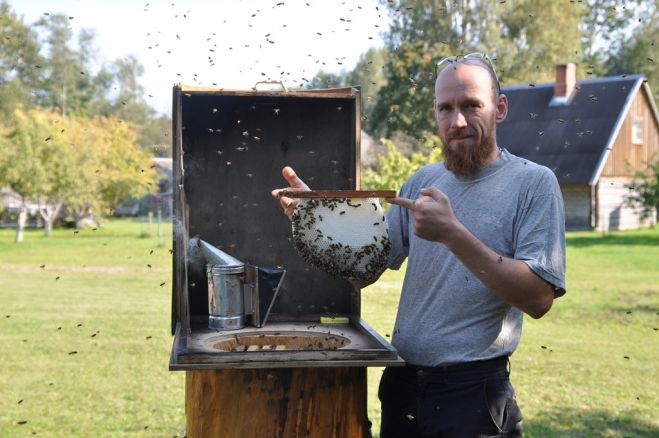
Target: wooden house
[(595, 134)]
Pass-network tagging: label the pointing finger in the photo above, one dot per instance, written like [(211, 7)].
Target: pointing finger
[(403, 202)]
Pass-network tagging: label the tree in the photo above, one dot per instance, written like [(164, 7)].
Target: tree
[(639, 52), (127, 169), (20, 62), (405, 102), (524, 39), (89, 165), (107, 166), (644, 191), (534, 38), (155, 136), (66, 82), (395, 167), (606, 24), (130, 104), (70, 83), (31, 164), (368, 74), (324, 79)]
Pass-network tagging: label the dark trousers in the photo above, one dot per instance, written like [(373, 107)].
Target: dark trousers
[(473, 399)]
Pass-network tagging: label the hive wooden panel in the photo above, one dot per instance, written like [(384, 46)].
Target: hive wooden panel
[(285, 402)]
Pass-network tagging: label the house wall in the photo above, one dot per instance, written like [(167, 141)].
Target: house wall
[(607, 207), (624, 160), (625, 157), (612, 214), (576, 198)]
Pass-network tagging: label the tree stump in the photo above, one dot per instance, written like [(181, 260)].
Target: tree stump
[(277, 403)]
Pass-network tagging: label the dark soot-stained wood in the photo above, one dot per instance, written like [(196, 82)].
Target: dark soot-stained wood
[(286, 402), (233, 150)]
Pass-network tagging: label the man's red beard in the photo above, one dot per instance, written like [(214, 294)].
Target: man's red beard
[(467, 159)]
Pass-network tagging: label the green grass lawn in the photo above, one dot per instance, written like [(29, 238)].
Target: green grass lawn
[(86, 338), (590, 367), (85, 318)]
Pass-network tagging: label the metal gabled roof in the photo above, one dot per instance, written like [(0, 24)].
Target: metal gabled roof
[(572, 139)]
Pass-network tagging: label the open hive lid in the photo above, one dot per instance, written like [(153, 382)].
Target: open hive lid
[(229, 149)]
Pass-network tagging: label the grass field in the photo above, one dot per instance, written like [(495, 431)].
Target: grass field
[(590, 366), (85, 338), (85, 318)]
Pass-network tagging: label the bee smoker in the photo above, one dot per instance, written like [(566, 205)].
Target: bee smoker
[(238, 291)]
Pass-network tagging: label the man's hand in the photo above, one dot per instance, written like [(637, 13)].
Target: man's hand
[(432, 215), (289, 204)]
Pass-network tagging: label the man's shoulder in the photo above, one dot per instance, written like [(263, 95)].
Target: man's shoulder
[(532, 178), (425, 176), (432, 169), (426, 173), (530, 168)]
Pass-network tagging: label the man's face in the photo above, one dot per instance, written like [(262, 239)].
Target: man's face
[(467, 112)]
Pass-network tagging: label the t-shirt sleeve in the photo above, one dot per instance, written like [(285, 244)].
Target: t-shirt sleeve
[(540, 232), (398, 222)]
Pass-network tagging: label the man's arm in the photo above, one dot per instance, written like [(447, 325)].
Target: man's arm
[(509, 279)]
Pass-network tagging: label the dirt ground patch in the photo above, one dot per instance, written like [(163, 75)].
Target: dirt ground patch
[(82, 268)]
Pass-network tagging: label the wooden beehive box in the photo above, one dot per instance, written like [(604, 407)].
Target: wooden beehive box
[(229, 149)]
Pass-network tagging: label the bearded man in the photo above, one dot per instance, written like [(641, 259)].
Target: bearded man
[(483, 235)]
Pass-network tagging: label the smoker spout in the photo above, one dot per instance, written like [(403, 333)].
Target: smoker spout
[(215, 256)]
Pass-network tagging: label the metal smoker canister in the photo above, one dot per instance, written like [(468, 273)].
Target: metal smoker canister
[(226, 309)]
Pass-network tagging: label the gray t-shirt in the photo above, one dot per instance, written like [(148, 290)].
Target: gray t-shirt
[(446, 314)]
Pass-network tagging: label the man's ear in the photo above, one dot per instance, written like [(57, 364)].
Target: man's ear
[(502, 108)]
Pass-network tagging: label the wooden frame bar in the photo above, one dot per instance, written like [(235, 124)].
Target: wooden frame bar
[(338, 193)]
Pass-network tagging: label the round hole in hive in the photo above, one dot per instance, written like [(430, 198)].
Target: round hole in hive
[(280, 342)]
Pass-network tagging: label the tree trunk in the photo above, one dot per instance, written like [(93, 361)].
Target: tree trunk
[(49, 214), (280, 402), (20, 225), (84, 216), (79, 213)]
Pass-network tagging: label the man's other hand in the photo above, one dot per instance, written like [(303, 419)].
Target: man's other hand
[(432, 215), (289, 204)]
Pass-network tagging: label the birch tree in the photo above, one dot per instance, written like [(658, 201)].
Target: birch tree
[(30, 164), (87, 165)]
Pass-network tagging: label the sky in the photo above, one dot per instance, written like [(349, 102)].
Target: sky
[(222, 43)]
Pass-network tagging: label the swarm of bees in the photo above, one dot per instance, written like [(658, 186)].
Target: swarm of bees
[(342, 236)]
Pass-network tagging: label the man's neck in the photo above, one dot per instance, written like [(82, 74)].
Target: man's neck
[(494, 154)]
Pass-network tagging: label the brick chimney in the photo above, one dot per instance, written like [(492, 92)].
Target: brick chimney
[(566, 79)]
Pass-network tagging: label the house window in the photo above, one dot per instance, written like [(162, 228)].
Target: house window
[(637, 131)]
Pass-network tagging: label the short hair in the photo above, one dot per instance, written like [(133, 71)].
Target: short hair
[(490, 70), (481, 63)]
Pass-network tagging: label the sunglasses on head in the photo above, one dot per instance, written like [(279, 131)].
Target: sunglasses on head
[(476, 56)]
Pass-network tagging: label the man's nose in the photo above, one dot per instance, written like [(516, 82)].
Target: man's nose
[(458, 120)]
